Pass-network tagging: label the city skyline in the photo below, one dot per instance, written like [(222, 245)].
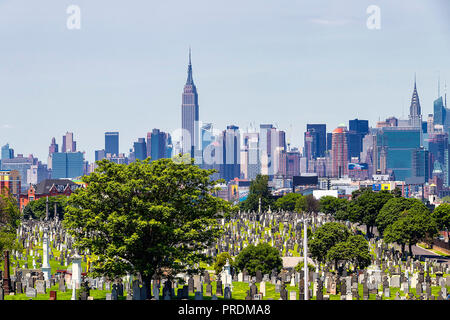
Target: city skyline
[(70, 83)]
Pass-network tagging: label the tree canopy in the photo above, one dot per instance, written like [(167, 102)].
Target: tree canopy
[(414, 225), (331, 205), (262, 257), (287, 202), (325, 237), (354, 249), (307, 204), (392, 210), (259, 188), (442, 216), (9, 222), (365, 207), (145, 218), (37, 209)]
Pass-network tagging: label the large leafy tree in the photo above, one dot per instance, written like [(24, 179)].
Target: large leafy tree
[(288, 201), (414, 225), (392, 210), (145, 218), (262, 257), (331, 205), (365, 207), (259, 189), (325, 237), (307, 204), (354, 249), (442, 216), (37, 209), (9, 222)]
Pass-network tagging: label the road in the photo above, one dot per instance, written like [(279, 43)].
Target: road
[(418, 251)]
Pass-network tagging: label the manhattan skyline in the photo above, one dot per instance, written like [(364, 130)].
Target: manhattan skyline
[(124, 69)]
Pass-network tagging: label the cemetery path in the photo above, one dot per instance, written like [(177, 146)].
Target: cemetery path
[(418, 251), (430, 255)]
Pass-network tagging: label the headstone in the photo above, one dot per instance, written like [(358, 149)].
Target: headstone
[(262, 288), (136, 290), (292, 295), (41, 287), (208, 291), (31, 292), (227, 293)]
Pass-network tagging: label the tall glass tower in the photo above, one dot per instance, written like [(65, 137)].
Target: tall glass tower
[(112, 143), (189, 114)]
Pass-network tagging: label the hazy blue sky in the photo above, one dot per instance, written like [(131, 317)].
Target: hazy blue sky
[(285, 62)]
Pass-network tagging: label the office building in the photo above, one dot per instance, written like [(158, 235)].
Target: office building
[(112, 143)]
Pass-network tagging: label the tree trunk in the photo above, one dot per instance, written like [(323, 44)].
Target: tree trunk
[(410, 249), (403, 248), (148, 281)]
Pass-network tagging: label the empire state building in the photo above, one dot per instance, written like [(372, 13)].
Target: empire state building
[(189, 114)]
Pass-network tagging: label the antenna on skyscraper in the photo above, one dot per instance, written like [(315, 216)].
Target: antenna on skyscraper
[(439, 84)]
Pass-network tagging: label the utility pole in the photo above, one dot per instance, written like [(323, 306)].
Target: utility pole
[(305, 258)]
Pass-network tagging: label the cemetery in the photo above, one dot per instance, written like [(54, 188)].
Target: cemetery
[(48, 268), (305, 251)]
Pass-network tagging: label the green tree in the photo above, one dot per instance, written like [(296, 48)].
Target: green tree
[(37, 209), (331, 205), (354, 249), (392, 210), (414, 225), (325, 237), (262, 257), (221, 260), (259, 189), (366, 206), (442, 216), (145, 218), (287, 202), (9, 222), (307, 204)]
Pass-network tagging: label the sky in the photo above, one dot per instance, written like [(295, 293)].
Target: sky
[(286, 62)]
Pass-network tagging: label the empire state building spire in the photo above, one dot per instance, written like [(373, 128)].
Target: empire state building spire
[(415, 113), (190, 79)]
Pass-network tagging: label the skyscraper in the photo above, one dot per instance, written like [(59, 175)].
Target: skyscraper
[(112, 143), (159, 145), (321, 144), (396, 147), (67, 165), (311, 141), (415, 113), (53, 146), (51, 150), (231, 167), (140, 149), (339, 152), (271, 142), (69, 145), (357, 130), (7, 152), (189, 114)]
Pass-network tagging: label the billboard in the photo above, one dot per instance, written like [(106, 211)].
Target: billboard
[(305, 180), (381, 186), (358, 166)]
